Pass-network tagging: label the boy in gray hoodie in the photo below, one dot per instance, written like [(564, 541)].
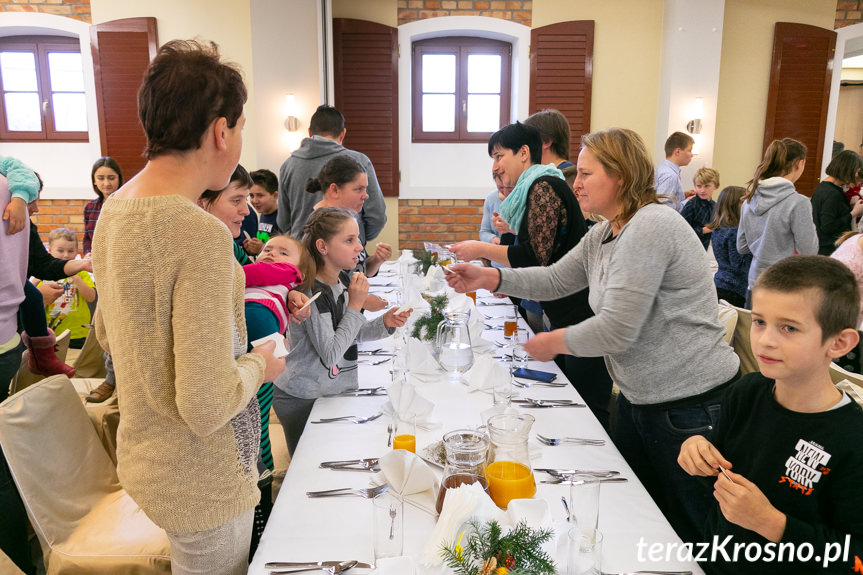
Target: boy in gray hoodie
[(776, 221)]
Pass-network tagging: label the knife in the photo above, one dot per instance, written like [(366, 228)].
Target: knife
[(558, 480), (367, 461), (557, 472), (368, 468), (289, 564)]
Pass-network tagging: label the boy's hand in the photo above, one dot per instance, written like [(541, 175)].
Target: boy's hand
[(50, 292), (392, 319), (297, 300), (16, 213), (358, 291), (743, 504), (699, 457), (375, 303), (253, 246), (274, 366)]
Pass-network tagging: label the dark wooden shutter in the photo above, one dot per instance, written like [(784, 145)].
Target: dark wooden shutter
[(800, 80), (561, 68), (365, 56), (122, 50)]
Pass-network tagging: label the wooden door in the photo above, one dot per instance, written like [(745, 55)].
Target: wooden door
[(800, 80), (561, 71), (122, 50), (365, 58)]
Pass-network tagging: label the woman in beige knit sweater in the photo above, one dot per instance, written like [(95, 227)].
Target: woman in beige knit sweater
[(171, 315)]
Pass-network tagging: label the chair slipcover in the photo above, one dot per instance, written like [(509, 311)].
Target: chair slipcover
[(742, 342), (728, 319), (90, 362), (86, 522)]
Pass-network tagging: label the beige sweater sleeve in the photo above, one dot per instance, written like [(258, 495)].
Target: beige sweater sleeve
[(211, 386)]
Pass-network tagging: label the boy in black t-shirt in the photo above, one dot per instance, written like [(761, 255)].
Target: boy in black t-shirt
[(793, 502)]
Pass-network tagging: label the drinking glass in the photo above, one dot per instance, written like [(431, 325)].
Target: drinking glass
[(388, 509), (510, 323), (584, 502), (585, 552), (406, 433)]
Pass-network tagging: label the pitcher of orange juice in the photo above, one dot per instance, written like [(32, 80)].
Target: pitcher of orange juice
[(508, 471)]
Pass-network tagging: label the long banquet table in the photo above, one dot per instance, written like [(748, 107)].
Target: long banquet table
[(304, 529)]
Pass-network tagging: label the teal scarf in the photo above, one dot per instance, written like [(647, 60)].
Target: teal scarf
[(513, 207)]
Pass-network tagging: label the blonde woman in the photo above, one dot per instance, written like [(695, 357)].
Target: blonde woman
[(656, 322)]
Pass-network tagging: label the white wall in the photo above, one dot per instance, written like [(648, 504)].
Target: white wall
[(691, 53), (64, 167), (454, 170)]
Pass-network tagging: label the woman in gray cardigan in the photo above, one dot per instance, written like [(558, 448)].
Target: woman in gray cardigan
[(656, 318)]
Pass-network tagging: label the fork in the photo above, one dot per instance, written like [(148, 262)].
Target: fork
[(369, 493), (576, 440), (373, 361), (528, 384), (351, 418)]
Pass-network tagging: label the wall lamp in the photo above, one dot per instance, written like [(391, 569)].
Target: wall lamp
[(694, 125), (292, 123)]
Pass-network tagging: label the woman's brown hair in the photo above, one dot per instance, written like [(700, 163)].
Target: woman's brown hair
[(779, 160), (323, 224), (727, 212), (624, 155)]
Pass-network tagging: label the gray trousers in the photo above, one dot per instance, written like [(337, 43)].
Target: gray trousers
[(220, 551)]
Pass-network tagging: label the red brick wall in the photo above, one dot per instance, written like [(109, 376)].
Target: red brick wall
[(848, 12), (519, 11), (77, 9), (61, 214), (439, 221)]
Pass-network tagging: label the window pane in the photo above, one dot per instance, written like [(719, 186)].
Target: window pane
[(483, 113), (70, 112), (438, 113), (23, 113), (439, 73), (483, 73), (19, 71), (67, 73)]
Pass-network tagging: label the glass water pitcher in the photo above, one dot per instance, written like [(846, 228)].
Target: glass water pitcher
[(466, 453), (452, 343)]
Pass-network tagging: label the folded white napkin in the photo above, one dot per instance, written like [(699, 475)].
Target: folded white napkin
[(423, 365), (470, 502), (460, 505), (410, 477), (476, 326), (484, 373), (415, 301), (407, 404), (434, 280)]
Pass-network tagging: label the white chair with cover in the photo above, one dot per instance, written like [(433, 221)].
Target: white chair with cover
[(85, 521)]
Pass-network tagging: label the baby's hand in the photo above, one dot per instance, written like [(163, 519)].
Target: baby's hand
[(296, 300), (699, 457), (358, 291), (16, 213)]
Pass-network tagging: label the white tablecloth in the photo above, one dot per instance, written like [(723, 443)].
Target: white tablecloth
[(303, 529)]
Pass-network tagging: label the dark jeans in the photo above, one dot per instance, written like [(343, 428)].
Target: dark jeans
[(13, 516), (32, 311), (649, 438), (293, 412)]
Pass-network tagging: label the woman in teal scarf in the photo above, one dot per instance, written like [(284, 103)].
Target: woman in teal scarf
[(545, 222)]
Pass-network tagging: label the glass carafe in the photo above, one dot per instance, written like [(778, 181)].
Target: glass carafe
[(452, 343), (508, 470), (466, 453)]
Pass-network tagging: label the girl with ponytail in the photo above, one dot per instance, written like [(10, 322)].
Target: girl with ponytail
[(776, 221)]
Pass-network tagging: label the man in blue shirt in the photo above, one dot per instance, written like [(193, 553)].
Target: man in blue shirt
[(678, 153)]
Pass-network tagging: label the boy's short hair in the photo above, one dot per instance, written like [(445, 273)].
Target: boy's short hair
[(569, 174), (840, 297), (266, 179), (185, 88), (706, 175), (326, 121), (62, 234), (677, 140), (553, 127)]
